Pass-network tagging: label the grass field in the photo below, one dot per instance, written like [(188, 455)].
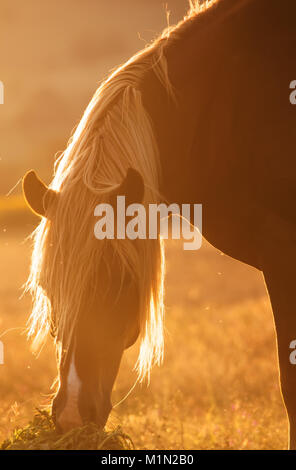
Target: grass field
[(218, 387)]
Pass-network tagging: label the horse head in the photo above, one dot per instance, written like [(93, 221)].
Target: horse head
[(108, 320)]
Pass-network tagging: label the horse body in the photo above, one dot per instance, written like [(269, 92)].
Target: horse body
[(230, 146), (224, 129)]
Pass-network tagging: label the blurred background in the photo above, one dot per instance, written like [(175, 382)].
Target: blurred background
[(53, 54), (218, 387)]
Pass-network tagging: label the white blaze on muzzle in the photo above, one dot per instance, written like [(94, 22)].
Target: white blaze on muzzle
[(70, 416)]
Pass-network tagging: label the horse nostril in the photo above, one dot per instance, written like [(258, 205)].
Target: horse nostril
[(65, 413), (67, 419)]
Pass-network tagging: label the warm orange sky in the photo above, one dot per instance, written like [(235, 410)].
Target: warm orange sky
[(52, 54)]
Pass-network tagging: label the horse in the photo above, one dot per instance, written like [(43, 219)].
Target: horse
[(202, 114)]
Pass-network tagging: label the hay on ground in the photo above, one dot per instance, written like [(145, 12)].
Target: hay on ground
[(40, 434)]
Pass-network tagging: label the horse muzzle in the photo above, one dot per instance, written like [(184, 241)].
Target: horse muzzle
[(70, 411)]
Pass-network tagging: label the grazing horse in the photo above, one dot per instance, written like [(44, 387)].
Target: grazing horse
[(202, 115)]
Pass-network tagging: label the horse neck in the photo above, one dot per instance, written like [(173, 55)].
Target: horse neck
[(195, 58), (175, 122)]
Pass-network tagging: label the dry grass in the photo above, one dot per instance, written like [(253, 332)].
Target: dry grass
[(40, 434), (218, 387)]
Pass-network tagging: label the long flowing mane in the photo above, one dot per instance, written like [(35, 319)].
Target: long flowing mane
[(115, 133)]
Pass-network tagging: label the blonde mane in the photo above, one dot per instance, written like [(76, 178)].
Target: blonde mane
[(115, 133), (198, 6)]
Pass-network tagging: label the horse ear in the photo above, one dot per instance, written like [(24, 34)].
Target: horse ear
[(132, 187), (37, 195)]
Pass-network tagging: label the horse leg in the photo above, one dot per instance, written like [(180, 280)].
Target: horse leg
[(280, 277)]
